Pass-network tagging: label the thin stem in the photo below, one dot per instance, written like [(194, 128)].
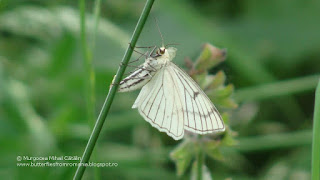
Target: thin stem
[(316, 137), (109, 99), (275, 141), (281, 88), (200, 160), (96, 11), (89, 74)]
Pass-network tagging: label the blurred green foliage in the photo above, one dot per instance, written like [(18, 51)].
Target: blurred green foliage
[(271, 45)]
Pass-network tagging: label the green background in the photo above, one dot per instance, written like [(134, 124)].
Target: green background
[(273, 61)]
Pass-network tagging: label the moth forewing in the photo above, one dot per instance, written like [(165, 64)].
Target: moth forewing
[(140, 76), (136, 80), (160, 111)]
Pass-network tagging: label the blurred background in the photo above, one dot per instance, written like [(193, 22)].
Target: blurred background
[(273, 61)]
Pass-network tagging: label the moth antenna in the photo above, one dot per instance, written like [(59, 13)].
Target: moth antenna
[(155, 19), (171, 44)]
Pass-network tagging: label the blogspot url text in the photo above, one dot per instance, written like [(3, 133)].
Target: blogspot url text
[(59, 161), (63, 164)]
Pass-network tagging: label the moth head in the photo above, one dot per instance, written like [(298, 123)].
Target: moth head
[(161, 51), (164, 52)]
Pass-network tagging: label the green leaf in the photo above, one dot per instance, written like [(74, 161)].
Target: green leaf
[(215, 154), (182, 156), (225, 118), (209, 57), (223, 92), (228, 139), (201, 79), (225, 103), (211, 148), (218, 80)]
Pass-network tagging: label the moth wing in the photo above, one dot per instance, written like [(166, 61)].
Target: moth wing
[(159, 103), (172, 102), (146, 89), (136, 80), (200, 115)]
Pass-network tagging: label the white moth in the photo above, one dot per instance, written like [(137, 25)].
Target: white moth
[(170, 100)]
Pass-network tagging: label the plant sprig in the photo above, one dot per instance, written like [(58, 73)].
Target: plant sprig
[(109, 99), (198, 147)]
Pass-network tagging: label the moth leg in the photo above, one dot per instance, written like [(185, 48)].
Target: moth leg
[(142, 54), (150, 55), (140, 46), (121, 63), (150, 76), (138, 67), (152, 51)]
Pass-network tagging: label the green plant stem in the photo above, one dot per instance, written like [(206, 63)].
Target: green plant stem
[(109, 99), (200, 159), (89, 74), (316, 137), (96, 11), (275, 141), (276, 89), (89, 71)]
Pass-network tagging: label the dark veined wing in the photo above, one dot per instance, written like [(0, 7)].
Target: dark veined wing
[(160, 105), (201, 116)]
